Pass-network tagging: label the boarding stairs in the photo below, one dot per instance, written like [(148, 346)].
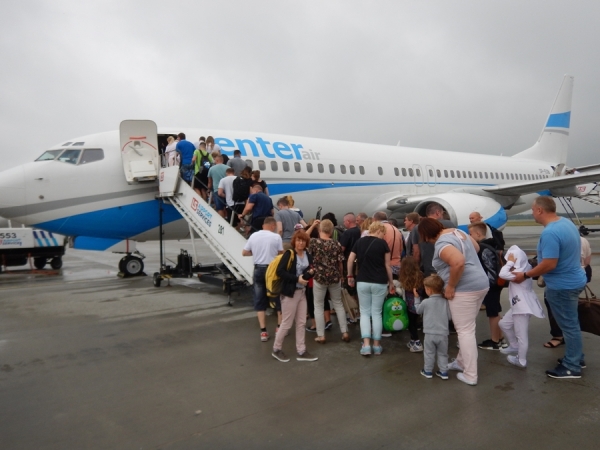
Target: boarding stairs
[(591, 197), (223, 239)]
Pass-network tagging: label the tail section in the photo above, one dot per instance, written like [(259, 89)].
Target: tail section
[(553, 144)]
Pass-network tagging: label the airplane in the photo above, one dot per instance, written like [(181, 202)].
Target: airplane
[(84, 187)]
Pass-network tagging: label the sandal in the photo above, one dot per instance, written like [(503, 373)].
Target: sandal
[(345, 337), (320, 339), (551, 342)]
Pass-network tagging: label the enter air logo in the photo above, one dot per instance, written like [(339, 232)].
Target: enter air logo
[(261, 148)]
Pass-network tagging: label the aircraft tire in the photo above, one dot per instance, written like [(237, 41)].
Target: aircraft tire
[(39, 262), (156, 279), (132, 266), (56, 263)]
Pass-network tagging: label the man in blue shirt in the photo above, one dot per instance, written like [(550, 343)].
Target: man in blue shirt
[(186, 152), (558, 252), (260, 205)]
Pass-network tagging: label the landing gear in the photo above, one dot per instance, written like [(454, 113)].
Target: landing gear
[(39, 262), (56, 263), (131, 266)]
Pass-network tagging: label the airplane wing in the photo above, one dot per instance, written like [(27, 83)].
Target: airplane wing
[(584, 168), (561, 183)]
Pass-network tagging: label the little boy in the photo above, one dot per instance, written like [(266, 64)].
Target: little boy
[(436, 315)]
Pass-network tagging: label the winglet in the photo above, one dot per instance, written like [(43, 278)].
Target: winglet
[(553, 144)]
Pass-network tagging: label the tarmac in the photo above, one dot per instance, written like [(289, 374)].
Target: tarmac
[(90, 360)]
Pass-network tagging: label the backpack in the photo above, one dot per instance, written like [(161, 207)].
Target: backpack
[(492, 262), (274, 282), (241, 189)]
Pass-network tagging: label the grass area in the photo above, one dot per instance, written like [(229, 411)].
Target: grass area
[(530, 223)]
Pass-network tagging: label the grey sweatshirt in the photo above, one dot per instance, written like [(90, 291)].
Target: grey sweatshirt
[(436, 314)]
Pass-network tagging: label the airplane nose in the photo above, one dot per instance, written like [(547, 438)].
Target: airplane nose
[(12, 191)]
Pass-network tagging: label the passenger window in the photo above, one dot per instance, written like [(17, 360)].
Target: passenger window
[(343, 169), (286, 166), (70, 156), (497, 177), (464, 174), (512, 176), (470, 176), (480, 175), (486, 176), (411, 173), (262, 165), (458, 174), (309, 167), (321, 168), (502, 175), (474, 174), (380, 170), (49, 155), (431, 173), (297, 167), (249, 163), (352, 170), (331, 168), (439, 173), (274, 166), (91, 155), (445, 173), (452, 173), (396, 172), (403, 172), (361, 169), (418, 172)]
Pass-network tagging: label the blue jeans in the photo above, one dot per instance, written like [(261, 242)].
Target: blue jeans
[(370, 300), (564, 307)]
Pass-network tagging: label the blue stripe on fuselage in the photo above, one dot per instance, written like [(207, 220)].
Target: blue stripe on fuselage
[(121, 222)]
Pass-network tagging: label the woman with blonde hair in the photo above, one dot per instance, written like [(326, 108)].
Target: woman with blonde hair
[(373, 282), (328, 260), (170, 152), (291, 202), (364, 227)]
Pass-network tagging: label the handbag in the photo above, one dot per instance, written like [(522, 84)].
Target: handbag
[(350, 303), (589, 312)]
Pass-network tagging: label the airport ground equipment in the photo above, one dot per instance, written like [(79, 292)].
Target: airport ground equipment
[(18, 245), (225, 241)]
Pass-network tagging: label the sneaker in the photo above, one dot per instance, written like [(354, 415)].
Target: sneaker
[(312, 330), (416, 347), (461, 377), (350, 321), (454, 365), (328, 325), (502, 343), (514, 360), (509, 351), (581, 363), (410, 344), (264, 336), (488, 344), (386, 334), (561, 371), (377, 350), (280, 356), (426, 374), (365, 350), (442, 375), (306, 357)]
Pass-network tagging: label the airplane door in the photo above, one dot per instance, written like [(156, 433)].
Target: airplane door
[(430, 174), (139, 150), (418, 173)]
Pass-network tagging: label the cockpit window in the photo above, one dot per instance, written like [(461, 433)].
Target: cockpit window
[(70, 156), (49, 155), (91, 155)]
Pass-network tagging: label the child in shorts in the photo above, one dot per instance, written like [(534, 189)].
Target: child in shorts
[(436, 315), (523, 304)]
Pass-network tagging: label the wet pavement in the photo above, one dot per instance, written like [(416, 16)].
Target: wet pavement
[(90, 360)]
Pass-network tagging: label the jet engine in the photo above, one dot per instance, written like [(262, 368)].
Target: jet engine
[(460, 205)]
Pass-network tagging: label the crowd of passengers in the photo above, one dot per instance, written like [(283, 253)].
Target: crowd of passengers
[(445, 275)]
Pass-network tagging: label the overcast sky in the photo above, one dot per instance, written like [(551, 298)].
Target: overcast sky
[(473, 76)]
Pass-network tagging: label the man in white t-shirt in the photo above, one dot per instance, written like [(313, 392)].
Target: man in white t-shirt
[(226, 189), (263, 246)]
